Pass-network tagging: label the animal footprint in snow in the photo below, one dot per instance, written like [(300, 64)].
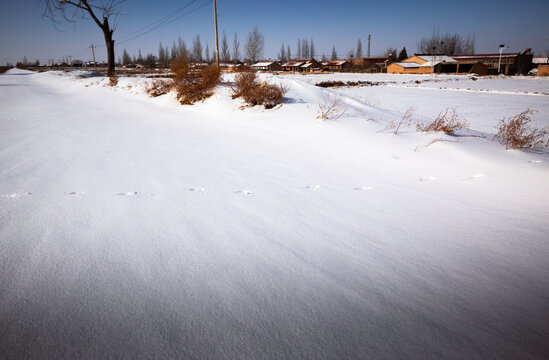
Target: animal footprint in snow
[(197, 189), (15, 196), (245, 192), (427, 178), (314, 187), (128, 193), (76, 193), (364, 188)]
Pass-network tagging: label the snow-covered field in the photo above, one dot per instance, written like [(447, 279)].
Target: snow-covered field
[(132, 227)]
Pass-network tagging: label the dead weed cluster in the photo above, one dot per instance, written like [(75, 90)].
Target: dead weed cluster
[(448, 122), (193, 84), (518, 132), (254, 92)]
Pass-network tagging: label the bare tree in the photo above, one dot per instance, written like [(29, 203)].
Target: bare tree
[(289, 53), (236, 48), (448, 44), (282, 54), (359, 49), (71, 10), (312, 48), (334, 54), (299, 49), (225, 54), (254, 45), (197, 49)]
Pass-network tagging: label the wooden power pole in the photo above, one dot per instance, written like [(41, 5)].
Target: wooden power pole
[(216, 37)]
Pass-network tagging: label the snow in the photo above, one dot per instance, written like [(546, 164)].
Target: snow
[(134, 227)]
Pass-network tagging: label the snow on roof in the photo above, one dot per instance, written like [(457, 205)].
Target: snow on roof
[(409, 65), (293, 63), (337, 62), (263, 63), (439, 58)]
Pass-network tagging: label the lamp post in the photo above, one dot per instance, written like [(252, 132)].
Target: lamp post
[(500, 52)]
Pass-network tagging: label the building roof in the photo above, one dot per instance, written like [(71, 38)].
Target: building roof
[(263, 63), (293, 63), (437, 58), (409, 65), (484, 56), (336, 62)]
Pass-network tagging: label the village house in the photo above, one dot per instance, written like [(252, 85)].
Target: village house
[(267, 66), (421, 64), (336, 65), (302, 65)]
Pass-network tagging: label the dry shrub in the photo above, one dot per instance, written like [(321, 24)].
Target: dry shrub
[(326, 84), (518, 132), (3, 69), (158, 88), (113, 80), (253, 92), (448, 122), (330, 107), (405, 121), (193, 84)]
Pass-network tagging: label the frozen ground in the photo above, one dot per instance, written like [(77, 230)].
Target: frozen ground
[(133, 227)]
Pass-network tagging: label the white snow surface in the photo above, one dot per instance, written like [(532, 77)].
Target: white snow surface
[(133, 227)]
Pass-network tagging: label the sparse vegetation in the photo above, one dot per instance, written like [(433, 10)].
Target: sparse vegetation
[(330, 107), (254, 92), (405, 121), (193, 84), (3, 69), (518, 132), (448, 122), (158, 88), (113, 80)]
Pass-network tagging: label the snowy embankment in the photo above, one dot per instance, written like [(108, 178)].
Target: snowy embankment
[(134, 227)]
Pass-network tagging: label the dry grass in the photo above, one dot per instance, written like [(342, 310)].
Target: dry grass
[(518, 132), (3, 69), (330, 107), (158, 88), (193, 84), (448, 122), (248, 87), (405, 121), (113, 80)]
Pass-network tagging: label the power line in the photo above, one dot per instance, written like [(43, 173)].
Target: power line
[(163, 23)]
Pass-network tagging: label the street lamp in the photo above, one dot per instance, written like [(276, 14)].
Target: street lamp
[(500, 52)]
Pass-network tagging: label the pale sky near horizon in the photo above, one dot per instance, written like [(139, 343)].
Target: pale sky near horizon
[(519, 25)]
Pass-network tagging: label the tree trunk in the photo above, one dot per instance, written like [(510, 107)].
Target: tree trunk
[(109, 42)]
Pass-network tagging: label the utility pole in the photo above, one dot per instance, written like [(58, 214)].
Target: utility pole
[(369, 37), (216, 37), (500, 52), (93, 54)]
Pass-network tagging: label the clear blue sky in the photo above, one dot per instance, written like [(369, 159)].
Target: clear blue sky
[(397, 23)]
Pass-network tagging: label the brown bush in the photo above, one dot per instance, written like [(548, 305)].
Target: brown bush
[(158, 88), (113, 80), (193, 84), (253, 92), (448, 122), (518, 132), (3, 69)]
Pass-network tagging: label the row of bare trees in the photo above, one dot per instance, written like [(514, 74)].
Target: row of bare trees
[(103, 11)]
